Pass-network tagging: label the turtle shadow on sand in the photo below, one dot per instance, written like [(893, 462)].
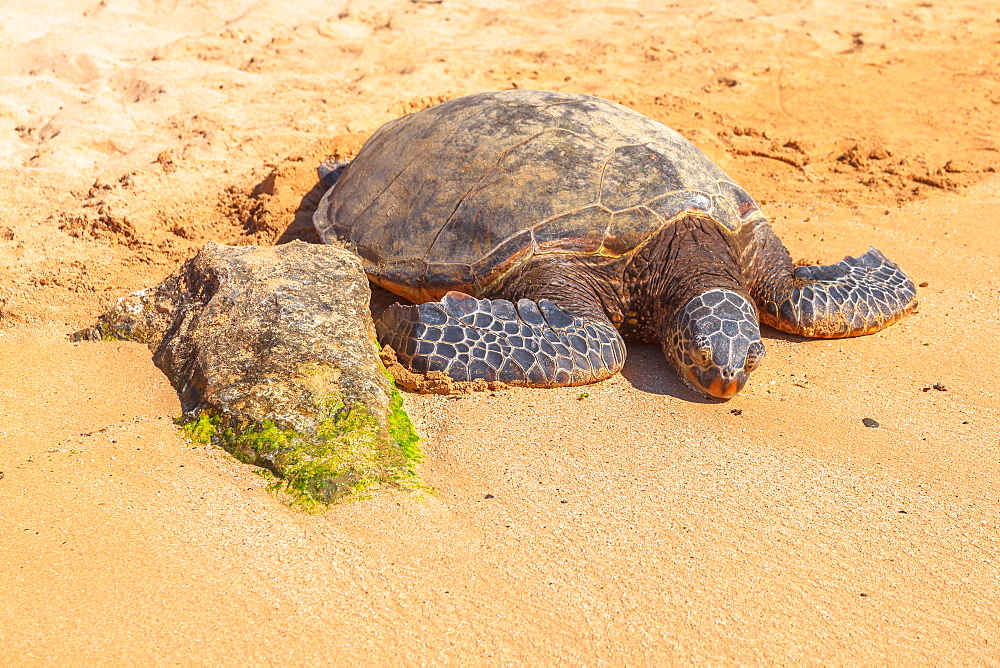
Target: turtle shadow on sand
[(647, 370)]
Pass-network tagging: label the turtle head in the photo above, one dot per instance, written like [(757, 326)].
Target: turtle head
[(716, 342)]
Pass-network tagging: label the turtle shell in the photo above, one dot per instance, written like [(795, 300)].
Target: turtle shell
[(454, 196)]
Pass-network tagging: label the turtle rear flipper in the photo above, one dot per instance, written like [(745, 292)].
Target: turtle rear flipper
[(534, 344), (856, 296)]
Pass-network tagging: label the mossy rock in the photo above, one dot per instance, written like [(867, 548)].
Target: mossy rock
[(350, 452), (272, 351)]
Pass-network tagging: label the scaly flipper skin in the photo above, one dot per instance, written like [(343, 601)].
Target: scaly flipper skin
[(538, 345), (856, 296)]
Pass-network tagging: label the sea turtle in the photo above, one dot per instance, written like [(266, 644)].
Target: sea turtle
[(538, 231)]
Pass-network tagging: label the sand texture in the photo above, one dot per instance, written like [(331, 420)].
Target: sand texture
[(629, 522)]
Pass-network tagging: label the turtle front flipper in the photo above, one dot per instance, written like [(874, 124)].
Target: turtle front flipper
[(856, 296), (534, 344)]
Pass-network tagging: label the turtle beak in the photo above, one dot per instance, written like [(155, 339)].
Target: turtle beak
[(715, 382), (726, 389)]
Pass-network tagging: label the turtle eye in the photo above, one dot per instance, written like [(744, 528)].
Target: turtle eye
[(702, 350), (754, 356), (705, 355)]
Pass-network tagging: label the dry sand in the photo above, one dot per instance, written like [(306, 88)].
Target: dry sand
[(639, 524)]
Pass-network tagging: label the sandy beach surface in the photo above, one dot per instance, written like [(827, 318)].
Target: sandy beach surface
[(629, 522)]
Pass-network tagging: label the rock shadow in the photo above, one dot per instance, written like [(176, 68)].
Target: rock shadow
[(301, 227), (383, 299)]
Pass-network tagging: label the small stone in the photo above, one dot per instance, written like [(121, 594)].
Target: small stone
[(940, 387), (488, 496), (924, 284), (869, 422), (737, 411)]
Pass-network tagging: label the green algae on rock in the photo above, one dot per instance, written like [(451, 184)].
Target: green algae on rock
[(272, 352)]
